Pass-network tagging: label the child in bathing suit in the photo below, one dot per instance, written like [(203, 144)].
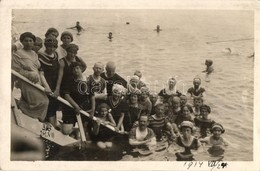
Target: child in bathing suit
[(216, 142)]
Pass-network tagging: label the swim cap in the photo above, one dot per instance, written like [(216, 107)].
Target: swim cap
[(27, 34), (197, 79), (68, 34), (134, 78), (205, 107), (145, 90), (72, 48), (135, 92), (172, 79), (118, 89), (51, 30), (50, 42), (217, 125), (187, 124), (138, 73)]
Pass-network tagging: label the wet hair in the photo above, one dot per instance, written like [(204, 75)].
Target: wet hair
[(189, 108), (103, 105), (51, 30), (27, 34), (50, 42), (72, 47), (205, 107), (217, 125), (75, 64)]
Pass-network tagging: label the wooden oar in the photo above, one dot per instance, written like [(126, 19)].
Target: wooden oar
[(61, 100)]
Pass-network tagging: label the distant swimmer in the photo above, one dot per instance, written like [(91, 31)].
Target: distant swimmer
[(158, 29), (209, 66), (110, 36), (78, 27)]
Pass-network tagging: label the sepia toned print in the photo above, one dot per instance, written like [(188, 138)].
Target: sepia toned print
[(191, 72)]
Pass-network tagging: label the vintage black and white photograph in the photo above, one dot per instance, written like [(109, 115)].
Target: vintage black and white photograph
[(140, 85), (132, 85)]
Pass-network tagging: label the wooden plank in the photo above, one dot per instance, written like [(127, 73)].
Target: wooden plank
[(64, 101), (46, 131)]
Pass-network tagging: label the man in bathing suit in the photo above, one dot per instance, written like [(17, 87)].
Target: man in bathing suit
[(141, 135)]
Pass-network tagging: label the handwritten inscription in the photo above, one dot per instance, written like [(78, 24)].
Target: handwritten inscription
[(211, 164), (193, 164), (217, 164)]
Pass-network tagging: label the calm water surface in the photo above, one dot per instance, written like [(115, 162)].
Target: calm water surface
[(179, 50)]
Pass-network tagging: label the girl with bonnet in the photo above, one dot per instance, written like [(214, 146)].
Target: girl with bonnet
[(216, 142), (119, 108), (101, 135), (25, 61), (188, 141)]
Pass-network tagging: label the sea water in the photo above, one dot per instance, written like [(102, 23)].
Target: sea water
[(179, 50)]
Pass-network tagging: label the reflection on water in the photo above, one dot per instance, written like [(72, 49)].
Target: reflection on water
[(179, 50)]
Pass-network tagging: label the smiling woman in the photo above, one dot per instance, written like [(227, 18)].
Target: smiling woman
[(25, 61)]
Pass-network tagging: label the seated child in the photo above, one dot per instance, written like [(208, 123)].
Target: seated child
[(159, 123), (187, 141), (79, 96), (142, 136), (203, 121), (216, 142), (102, 136), (209, 68)]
